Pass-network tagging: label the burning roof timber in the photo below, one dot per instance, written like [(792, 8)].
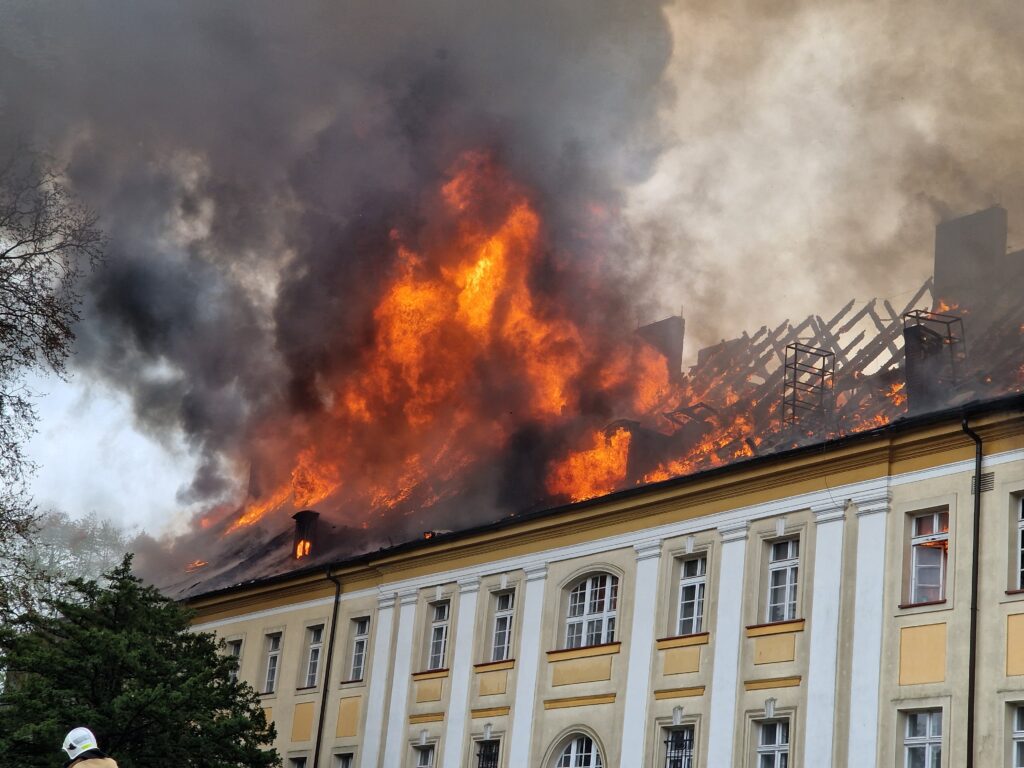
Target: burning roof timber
[(956, 341)]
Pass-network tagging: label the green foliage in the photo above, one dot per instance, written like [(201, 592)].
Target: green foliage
[(119, 659)]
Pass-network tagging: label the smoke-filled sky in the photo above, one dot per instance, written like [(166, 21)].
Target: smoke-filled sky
[(759, 160)]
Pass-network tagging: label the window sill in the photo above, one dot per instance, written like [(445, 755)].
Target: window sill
[(352, 683), (1015, 591), (605, 649), (267, 694), (776, 628), (926, 604), (495, 666), (682, 641), (306, 689), (430, 674)]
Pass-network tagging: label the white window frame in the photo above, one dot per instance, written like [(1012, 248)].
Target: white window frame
[(777, 749), (360, 642), (234, 649), (1017, 736), (785, 564), (1020, 543), (314, 650), (931, 742), (298, 762), (682, 761), (920, 543), (692, 590), (478, 751), (425, 756), (272, 670), (580, 748), (592, 610), (344, 760), (437, 647), (501, 639)]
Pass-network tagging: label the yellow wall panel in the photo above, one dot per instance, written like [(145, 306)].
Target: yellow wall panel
[(302, 722), (772, 649), (680, 660), (923, 654), (1015, 644), (268, 712), (493, 683), (582, 670), (428, 690), (348, 717)]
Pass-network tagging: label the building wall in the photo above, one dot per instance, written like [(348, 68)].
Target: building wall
[(844, 672)]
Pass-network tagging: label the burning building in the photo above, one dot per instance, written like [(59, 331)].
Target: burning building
[(806, 548)]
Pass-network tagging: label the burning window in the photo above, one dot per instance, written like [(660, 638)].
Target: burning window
[(273, 646), (438, 650), (692, 582), (314, 644), (360, 640), (929, 553), (592, 608), (783, 580), (504, 603)]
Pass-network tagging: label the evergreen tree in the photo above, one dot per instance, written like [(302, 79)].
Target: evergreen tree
[(120, 659)]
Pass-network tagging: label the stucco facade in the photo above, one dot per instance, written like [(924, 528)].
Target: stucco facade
[(842, 664)]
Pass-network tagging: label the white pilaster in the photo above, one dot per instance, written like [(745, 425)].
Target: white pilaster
[(641, 648), (528, 664), (379, 681), (462, 667), (395, 745), (821, 670), (867, 630), (726, 645)]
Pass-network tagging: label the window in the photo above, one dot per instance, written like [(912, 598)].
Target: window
[(487, 754), (1018, 737), (273, 643), (773, 744), (679, 747), (580, 752), (343, 761), (929, 546), (235, 652), (783, 566), (438, 636), (297, 762), (360, 637), (922, 747), (692, 578), (1020, 545), (425, 757), (503, 607), (315, 641), (592, 605)]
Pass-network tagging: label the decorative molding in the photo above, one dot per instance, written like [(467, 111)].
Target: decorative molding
[(776, 628), (679, 693), (734, 531), (469, 585), (430, 717), (430, 674), (605, 649), (536, 571), (480, 714), (683, 641), (871, 504), (580, 701), (408, 597), (772, 682), (829, 512), (495, 666), (647, 550), (386, 601)]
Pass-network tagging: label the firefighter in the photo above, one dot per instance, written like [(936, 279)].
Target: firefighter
[(83, 752)]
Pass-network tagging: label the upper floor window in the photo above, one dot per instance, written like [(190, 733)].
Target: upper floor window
[(922, 743), (425, 757), (314, 643), (693, 577), (591, 616), (234, 648), (273, 646), (487, 754), (1018, 736), (679, 747), (580, 752), (783, 572), (929, 548), (438, 651), (504, 605), (360, 638), (773, 744), (297, 762), (1020, 544), (343, 761)]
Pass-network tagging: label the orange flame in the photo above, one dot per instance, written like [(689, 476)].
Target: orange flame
[(302, 548), (593, 471)]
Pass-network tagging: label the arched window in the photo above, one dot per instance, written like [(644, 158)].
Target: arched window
[(591, 616), (580, 752)]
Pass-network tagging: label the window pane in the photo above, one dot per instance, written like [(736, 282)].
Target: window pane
[(916, 757), (936, 723), (1020, 719), (768, 731), (924, 525), (1018, 754), (917, 725), (944, 521), (766, 761), (936, 757)]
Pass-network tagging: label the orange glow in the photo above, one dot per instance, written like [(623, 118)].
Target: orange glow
[(302, 548), (896, 394), (593, 471), (195, 565)]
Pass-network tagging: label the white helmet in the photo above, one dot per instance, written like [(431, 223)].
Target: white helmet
[(78, 741)]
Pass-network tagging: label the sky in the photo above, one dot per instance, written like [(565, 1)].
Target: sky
[(770, 160)]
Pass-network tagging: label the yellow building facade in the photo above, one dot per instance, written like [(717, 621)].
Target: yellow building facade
[(807, 609)]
